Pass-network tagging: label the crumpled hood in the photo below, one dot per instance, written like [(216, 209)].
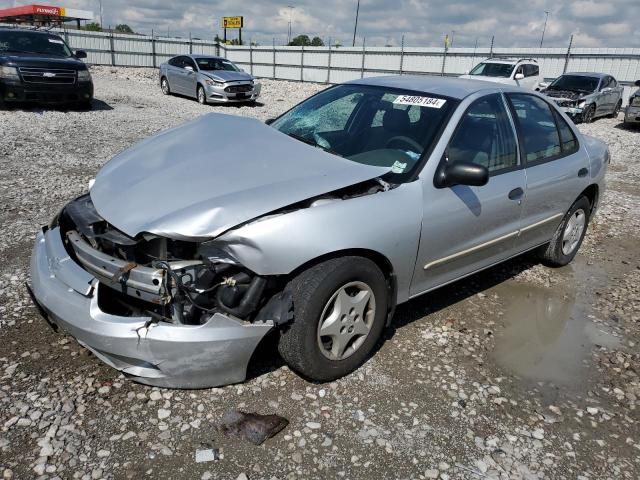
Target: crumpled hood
[(564, 95), (204, 177), (227, 75)]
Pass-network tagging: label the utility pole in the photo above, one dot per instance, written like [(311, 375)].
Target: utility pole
[(290, 7), (453, 32), (355, 28), (545, 26), (101, 24)]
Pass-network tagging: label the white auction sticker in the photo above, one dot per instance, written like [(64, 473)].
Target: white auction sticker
[(55, 40), (420, 101)]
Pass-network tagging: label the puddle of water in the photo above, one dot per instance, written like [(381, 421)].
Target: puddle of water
[(548, 336)]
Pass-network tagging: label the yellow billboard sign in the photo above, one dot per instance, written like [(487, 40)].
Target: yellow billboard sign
[(232, 22)]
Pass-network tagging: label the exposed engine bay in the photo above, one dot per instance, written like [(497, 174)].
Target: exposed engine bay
[(564, 98), (170, 280)]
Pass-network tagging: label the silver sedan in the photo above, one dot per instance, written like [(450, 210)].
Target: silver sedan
[(208, 79), (181, 258)]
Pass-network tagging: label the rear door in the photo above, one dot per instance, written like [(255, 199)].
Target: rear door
[(557, 167), (173, 74), (469, 228)]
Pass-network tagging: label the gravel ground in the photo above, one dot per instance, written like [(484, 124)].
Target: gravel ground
[(517, 372)]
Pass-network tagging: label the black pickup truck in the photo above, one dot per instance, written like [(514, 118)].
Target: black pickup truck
[(38, 66)]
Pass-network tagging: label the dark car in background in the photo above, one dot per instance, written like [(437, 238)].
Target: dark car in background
[(632, 114), (38, 66), (585, 96)]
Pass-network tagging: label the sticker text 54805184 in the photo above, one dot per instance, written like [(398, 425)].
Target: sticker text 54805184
[(420, 101)]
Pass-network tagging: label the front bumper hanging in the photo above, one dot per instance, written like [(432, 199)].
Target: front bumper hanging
[(161, 354)]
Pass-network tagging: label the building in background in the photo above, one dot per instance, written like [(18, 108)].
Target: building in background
[(44, 15)]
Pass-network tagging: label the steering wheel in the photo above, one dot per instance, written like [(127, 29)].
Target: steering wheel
[(408, 141)]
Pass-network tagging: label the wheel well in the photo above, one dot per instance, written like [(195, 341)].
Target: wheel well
[(592, 193), (379, 259)]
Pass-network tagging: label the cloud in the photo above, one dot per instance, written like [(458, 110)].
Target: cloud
[(422, 22)]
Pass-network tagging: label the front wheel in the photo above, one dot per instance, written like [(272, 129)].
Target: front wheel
[(202, 97), (568, 237), (589, 114), (164, 86), (339, 311)]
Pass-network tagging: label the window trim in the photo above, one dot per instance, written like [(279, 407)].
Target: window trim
[(554, 113), (519, 165)]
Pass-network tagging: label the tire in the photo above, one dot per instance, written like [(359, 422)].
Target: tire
[(587, 116), (201, 96), (164, 86), (616, 110), (315, 294), (564, 245)]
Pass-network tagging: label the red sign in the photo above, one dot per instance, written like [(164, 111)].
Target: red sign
[(32, 10)]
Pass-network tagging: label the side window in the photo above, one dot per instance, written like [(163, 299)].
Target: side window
[(531, 70), (175, 61), (613, 83), (484, 136), (188, 62), (606, 82), (568, 140), (537, 127)]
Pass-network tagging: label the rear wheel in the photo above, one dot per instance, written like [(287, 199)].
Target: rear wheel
[(568, 237), (616, 110), (164, 85), (339, 310), (201, 95)]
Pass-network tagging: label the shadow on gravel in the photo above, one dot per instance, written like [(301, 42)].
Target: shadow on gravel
[(97, 105), (628, 127), (266, 358)]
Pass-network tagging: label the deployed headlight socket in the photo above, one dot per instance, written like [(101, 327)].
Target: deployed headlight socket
[(213, 83), (9, 73)]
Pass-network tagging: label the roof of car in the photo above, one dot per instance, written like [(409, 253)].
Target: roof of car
[(200, 55), (28, 30), (453, 87), (587, 74)]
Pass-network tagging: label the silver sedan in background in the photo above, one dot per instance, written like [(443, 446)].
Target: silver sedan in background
[(208, 79), (585, 96), (178, 261)]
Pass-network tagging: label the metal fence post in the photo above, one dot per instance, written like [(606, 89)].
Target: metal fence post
[(491, 48), (364, 40), (250, 57), (190, 44), (113, 50), (401, 54), (217, 48), (153, 49), (329, 64), (274, 58), (568, 56), (302, 64), (444, 59)]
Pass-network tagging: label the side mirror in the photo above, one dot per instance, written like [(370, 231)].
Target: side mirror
[(188, 68), (519, 76), (606, 89), (462, 173), (269, 121), (81, 54), (637, 83)]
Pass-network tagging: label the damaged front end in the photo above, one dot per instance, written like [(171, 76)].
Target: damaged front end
[(166, 312), (570, 102)]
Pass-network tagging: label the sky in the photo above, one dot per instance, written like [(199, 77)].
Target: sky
[(514, 23)]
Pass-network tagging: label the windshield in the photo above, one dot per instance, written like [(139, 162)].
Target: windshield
[(210, 64), (373, 125), (492, 70), (576, 83), (19, 41)]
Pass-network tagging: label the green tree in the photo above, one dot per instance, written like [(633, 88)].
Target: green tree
[(123, 28), (300, 41), (93, 27), (317, 42)]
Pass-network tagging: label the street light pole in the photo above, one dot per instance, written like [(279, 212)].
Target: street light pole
[(355, 28), (290, 7), (545, 26)]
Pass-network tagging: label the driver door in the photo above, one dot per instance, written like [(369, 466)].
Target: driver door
[(468, 228)]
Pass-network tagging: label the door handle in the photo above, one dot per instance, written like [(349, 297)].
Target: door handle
[(583, 172), (516, 194)]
